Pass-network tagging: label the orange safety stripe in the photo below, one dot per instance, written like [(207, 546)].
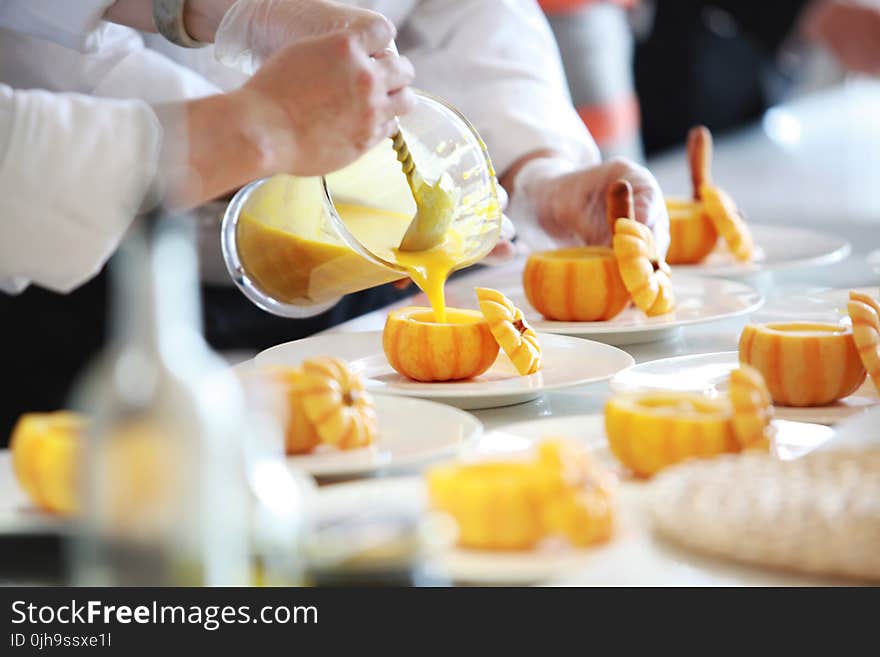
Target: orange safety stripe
[(614, 121), (568, 6)]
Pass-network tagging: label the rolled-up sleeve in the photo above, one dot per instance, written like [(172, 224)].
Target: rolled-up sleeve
[(71, 23), (498, 62), (74, 171)]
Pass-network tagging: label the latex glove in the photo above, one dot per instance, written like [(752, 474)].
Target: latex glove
[(556, 203), (851, 30), (320, 104), (252, 30)]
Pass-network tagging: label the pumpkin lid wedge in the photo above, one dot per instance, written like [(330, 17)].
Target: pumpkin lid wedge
[(516, 338), (645, 274)]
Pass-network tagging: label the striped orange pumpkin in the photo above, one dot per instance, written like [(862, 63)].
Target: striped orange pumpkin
[(691, 231), (728, 221), (645, 275), (864, 311), (45, 456), (803, 364), (514, 504), (511, 331), (336, 404), (579, 284), (752, 408), (652, 430), (419, 348)]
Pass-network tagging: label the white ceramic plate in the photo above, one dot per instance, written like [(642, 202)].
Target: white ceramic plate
[(567, 362), (793, 439), (411, 431), (815, 306), (776, 248), (708, 373), (632, 558), (698, 301), (861, 431)]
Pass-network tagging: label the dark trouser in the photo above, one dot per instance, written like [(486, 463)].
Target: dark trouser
[(46, 339)]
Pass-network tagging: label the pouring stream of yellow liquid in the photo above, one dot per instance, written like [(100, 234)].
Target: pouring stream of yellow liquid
[(381, 232)]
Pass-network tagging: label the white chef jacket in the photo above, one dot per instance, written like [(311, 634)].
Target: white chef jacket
[(73, 173), (495, 60), (75, 169)]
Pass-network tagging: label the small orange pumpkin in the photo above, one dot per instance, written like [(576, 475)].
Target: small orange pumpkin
[(644, 273), (511, 331), (45, 451), (716, 204), (652, 430), (803, 364), (513, 505), (424, 350), (692, 235), (728, 221), (334, 401), (578, 284)]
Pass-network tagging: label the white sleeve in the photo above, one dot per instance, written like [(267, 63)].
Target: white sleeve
[(498, 62), (74, 171), (70, 23), (121, 68)]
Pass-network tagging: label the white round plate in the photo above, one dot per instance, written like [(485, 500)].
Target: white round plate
[(411, 431), (776, 248), (708, 373), (858, 432), (815, 306), (632, 558), (567, 362), (407, 495), (792, 440), (698, 301)]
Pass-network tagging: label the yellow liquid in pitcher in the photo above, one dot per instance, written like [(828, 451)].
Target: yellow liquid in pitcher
[(290, 266)]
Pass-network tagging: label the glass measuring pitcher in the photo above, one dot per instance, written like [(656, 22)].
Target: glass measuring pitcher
[(291, 245)]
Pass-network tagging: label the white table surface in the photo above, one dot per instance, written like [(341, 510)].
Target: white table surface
[(822, 170)]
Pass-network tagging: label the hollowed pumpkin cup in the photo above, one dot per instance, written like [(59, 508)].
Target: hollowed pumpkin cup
[(803, 364), (692, 234), (652, 430), (578, 284), (424, 350)]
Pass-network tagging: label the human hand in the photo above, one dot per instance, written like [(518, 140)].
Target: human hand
[(570, 205), (319, 104), (851, 30), (253, 30)]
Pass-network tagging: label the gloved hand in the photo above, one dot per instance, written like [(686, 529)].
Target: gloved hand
[(851, 30), (252, 30), (569, 202), (320, 104)]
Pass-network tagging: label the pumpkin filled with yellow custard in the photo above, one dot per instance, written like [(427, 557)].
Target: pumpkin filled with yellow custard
[(803, 363)]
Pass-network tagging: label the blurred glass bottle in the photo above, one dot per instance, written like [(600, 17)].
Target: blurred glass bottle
[(165, 498)]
